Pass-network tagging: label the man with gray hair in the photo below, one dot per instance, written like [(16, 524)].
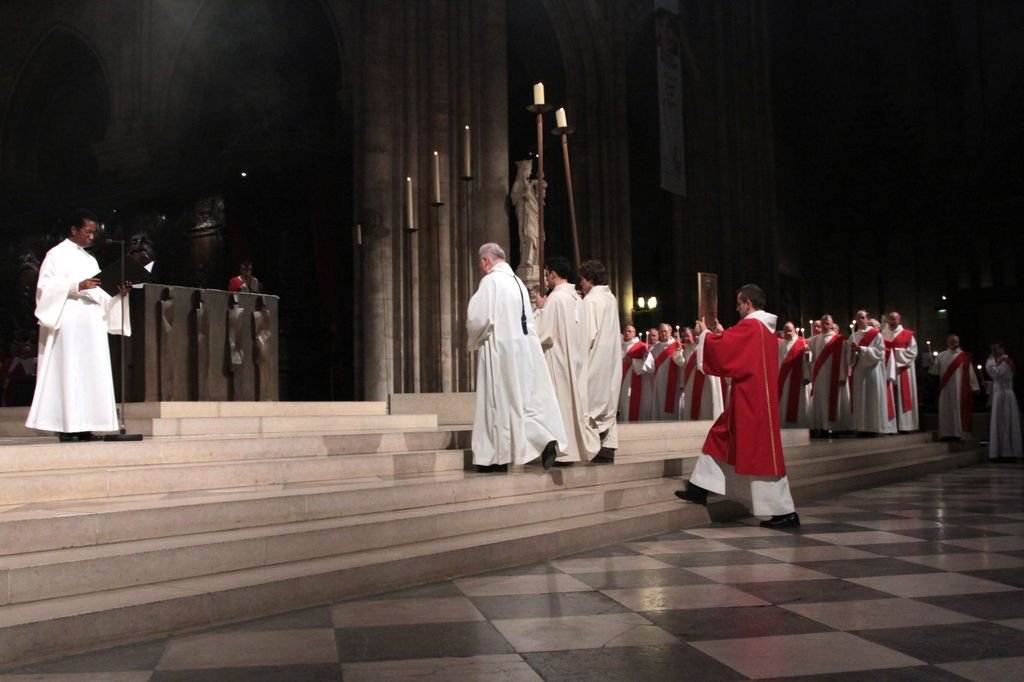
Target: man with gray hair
[(516, 417)]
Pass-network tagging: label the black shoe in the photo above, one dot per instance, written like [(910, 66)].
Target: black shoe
[(547, 458), (563, 464), (790, 520), (491, 469), (693, 493), (86, 436), (604, 456), (67, 437)]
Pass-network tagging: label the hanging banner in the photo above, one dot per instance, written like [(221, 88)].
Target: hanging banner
[(670, 96)]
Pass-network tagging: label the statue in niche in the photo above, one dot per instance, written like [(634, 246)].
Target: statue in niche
[(206, 242), (524, 197)]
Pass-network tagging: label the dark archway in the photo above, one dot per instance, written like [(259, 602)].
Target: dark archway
[(254, 116), (534, 56)]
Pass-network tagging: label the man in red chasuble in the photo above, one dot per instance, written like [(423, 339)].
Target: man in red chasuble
[(743, 450)]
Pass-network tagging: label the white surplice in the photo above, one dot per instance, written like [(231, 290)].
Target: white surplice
[(604, 361), (905, 359), (516, 413), (633, 387), (803, 365), (950, 403), (74, 387), (561, 326), (660, 382), (1004, 438), (711, 400), (822, 386), (867, 389)]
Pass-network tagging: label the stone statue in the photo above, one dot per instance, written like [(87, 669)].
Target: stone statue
[(524, 198)]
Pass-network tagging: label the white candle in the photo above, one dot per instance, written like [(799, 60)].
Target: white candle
[(467, 165), (409, 224), (538, 93), (560, 119), (437, 179)]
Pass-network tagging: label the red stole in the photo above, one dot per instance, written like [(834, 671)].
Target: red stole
[(635, 352), (963, 360), (672, 388), (699, 377), (902, 340), (834, 350), (793, 364)]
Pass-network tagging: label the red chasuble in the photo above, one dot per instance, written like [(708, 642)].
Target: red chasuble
[(697, 398), (672, 388), (746, 434)]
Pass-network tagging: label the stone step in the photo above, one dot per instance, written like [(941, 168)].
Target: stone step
[(33, 630), (253, 424), (821, 465), (827, 485), (84, 484), (43, 575), (48, 456), (49, 526), (820, 447), (179, 409), (688, 444)]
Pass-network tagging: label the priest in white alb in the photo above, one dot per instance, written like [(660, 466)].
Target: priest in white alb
[(867, 378), (902, 344), (702, 394), (604, 356), (794, 379), (561, 326), (516, 418), (830, 396), (74, 393), (666, 384), (1004, 437), (957, 385), (637, 362)]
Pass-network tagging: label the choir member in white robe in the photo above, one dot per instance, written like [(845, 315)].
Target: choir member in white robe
[(889, 426), (794, 379), (637, 363), (516, 418), (702, 394), (830, 396), (604, 355), (902, 343), (957, 384), (867, 378), (1004, 438), (562, 328), (665, 403), (74, 392)]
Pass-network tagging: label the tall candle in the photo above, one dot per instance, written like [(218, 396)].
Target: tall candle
[(538, 93), (437, 179), (467, 165), (560, 119), (409, 224)]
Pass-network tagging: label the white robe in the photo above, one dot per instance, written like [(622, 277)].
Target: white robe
[(822, 383), (1004, 438), (867, 392), (950, 409), (659, 383), (561, 326), (712, 403), (891, 424), (604, 361), (906, 364), (74, 387), (803, 414), (516, 413), (640, 367)]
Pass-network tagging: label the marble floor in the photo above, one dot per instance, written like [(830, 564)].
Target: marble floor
[(922, 580)]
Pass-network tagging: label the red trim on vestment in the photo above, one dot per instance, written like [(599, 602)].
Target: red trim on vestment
[(834, 349)]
